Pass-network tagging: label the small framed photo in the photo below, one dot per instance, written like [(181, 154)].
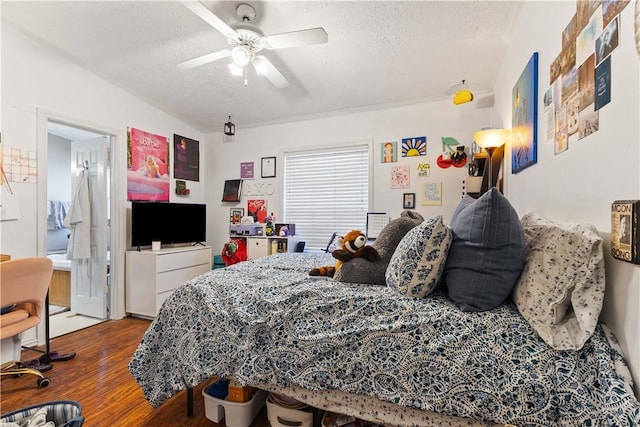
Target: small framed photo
[(235, 215), (409, 200), (268, 167)]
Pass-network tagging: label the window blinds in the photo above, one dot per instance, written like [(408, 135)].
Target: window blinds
[(326, 192)]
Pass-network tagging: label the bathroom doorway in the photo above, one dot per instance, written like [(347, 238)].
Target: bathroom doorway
[(79, 291)]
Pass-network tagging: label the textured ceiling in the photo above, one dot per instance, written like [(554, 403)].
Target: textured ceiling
[(379, 53)]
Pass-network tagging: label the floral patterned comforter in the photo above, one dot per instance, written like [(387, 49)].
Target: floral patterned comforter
[(266, 321)]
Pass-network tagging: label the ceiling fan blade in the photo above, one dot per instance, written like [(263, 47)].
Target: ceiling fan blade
[(264, 67), (205, 59), (297, 38), (211, 19)]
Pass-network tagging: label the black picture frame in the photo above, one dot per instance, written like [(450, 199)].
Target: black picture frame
[(268, 167), (409, 201), (232, 190)]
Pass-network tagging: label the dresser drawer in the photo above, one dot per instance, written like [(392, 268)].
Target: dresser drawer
[(177, 260), (169, 280)]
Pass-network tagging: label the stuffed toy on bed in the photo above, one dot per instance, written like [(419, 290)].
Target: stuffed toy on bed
[(361, 270), (352, 245)]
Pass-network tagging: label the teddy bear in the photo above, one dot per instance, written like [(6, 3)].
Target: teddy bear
[(352, 245), (362, 271)]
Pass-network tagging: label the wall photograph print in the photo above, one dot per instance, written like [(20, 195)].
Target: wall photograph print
[(525, 118), (416, 146), (186, 154), (389, 152), (148, 166)]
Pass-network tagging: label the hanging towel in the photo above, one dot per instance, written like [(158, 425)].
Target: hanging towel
[(57, 212), (79, 220)]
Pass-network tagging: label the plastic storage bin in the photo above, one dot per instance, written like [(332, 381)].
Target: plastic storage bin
[(234, 414), (280, 416)]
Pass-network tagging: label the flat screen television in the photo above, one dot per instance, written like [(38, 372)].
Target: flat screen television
[(169, 223), (232, 190)]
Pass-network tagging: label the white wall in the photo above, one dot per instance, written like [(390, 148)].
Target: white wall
[(580, 183), (433, 120), (34, 79), (59, 169)]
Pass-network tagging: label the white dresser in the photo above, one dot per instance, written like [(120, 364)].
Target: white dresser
[(151, 276)]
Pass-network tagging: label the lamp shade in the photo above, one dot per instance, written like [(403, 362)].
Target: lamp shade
[(462, 96), (241, 55), (492, 138)]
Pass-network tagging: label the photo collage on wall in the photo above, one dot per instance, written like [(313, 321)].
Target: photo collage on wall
[(580, 76), (400, 174)]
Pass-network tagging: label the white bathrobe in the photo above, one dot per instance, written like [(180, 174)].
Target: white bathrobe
[(78, 219)]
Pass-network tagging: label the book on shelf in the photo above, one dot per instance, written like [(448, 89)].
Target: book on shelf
[(625, 236)]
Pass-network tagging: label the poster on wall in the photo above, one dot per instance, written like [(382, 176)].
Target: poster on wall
[(257, 208), (524, 152), (400, 177), (416, 146), (389, 152), (432, 193), (148, 166), (186, 155)]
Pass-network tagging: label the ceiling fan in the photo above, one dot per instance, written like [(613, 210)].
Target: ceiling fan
[(247, 40)]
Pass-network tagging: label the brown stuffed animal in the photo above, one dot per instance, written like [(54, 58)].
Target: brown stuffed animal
[(352, 245)]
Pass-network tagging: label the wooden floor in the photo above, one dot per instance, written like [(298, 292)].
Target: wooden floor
[(98, 378)]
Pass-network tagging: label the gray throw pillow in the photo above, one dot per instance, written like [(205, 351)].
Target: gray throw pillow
[(487, 253), (417, 264), (359, 270)]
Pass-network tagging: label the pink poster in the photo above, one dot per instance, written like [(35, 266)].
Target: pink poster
[(148, 166)]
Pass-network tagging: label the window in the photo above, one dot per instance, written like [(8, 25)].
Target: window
[(326, 191)]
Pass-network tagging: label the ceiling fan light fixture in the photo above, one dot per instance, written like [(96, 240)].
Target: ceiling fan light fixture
[(260, 64), (241, 55), (235, 70)]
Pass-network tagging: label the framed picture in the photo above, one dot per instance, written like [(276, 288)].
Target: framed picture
[(236, 215), (409, 200), (232, 190), (268, 167), (524, 116), (625, 233), (389, 152), (186, 155), (246, 170)]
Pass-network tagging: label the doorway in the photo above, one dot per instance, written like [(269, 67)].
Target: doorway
[(116, 186), (77, 157)]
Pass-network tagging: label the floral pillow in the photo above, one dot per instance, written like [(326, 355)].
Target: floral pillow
[(561, 288), (417, 263)]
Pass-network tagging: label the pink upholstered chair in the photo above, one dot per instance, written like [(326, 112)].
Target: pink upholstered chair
[(23, 285)]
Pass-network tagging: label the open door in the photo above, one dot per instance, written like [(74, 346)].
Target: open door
[(89, 275)]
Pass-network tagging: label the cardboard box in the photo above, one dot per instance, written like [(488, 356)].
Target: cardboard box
[(235, 414), (238, 393)]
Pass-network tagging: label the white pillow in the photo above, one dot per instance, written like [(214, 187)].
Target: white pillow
[(416, 265), (38, 419), (561, 288)]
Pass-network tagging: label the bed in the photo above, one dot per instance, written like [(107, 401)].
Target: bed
[(370, 351)]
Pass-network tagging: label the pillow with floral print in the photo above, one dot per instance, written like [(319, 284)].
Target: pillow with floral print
[(417, 263), (561, 288)]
